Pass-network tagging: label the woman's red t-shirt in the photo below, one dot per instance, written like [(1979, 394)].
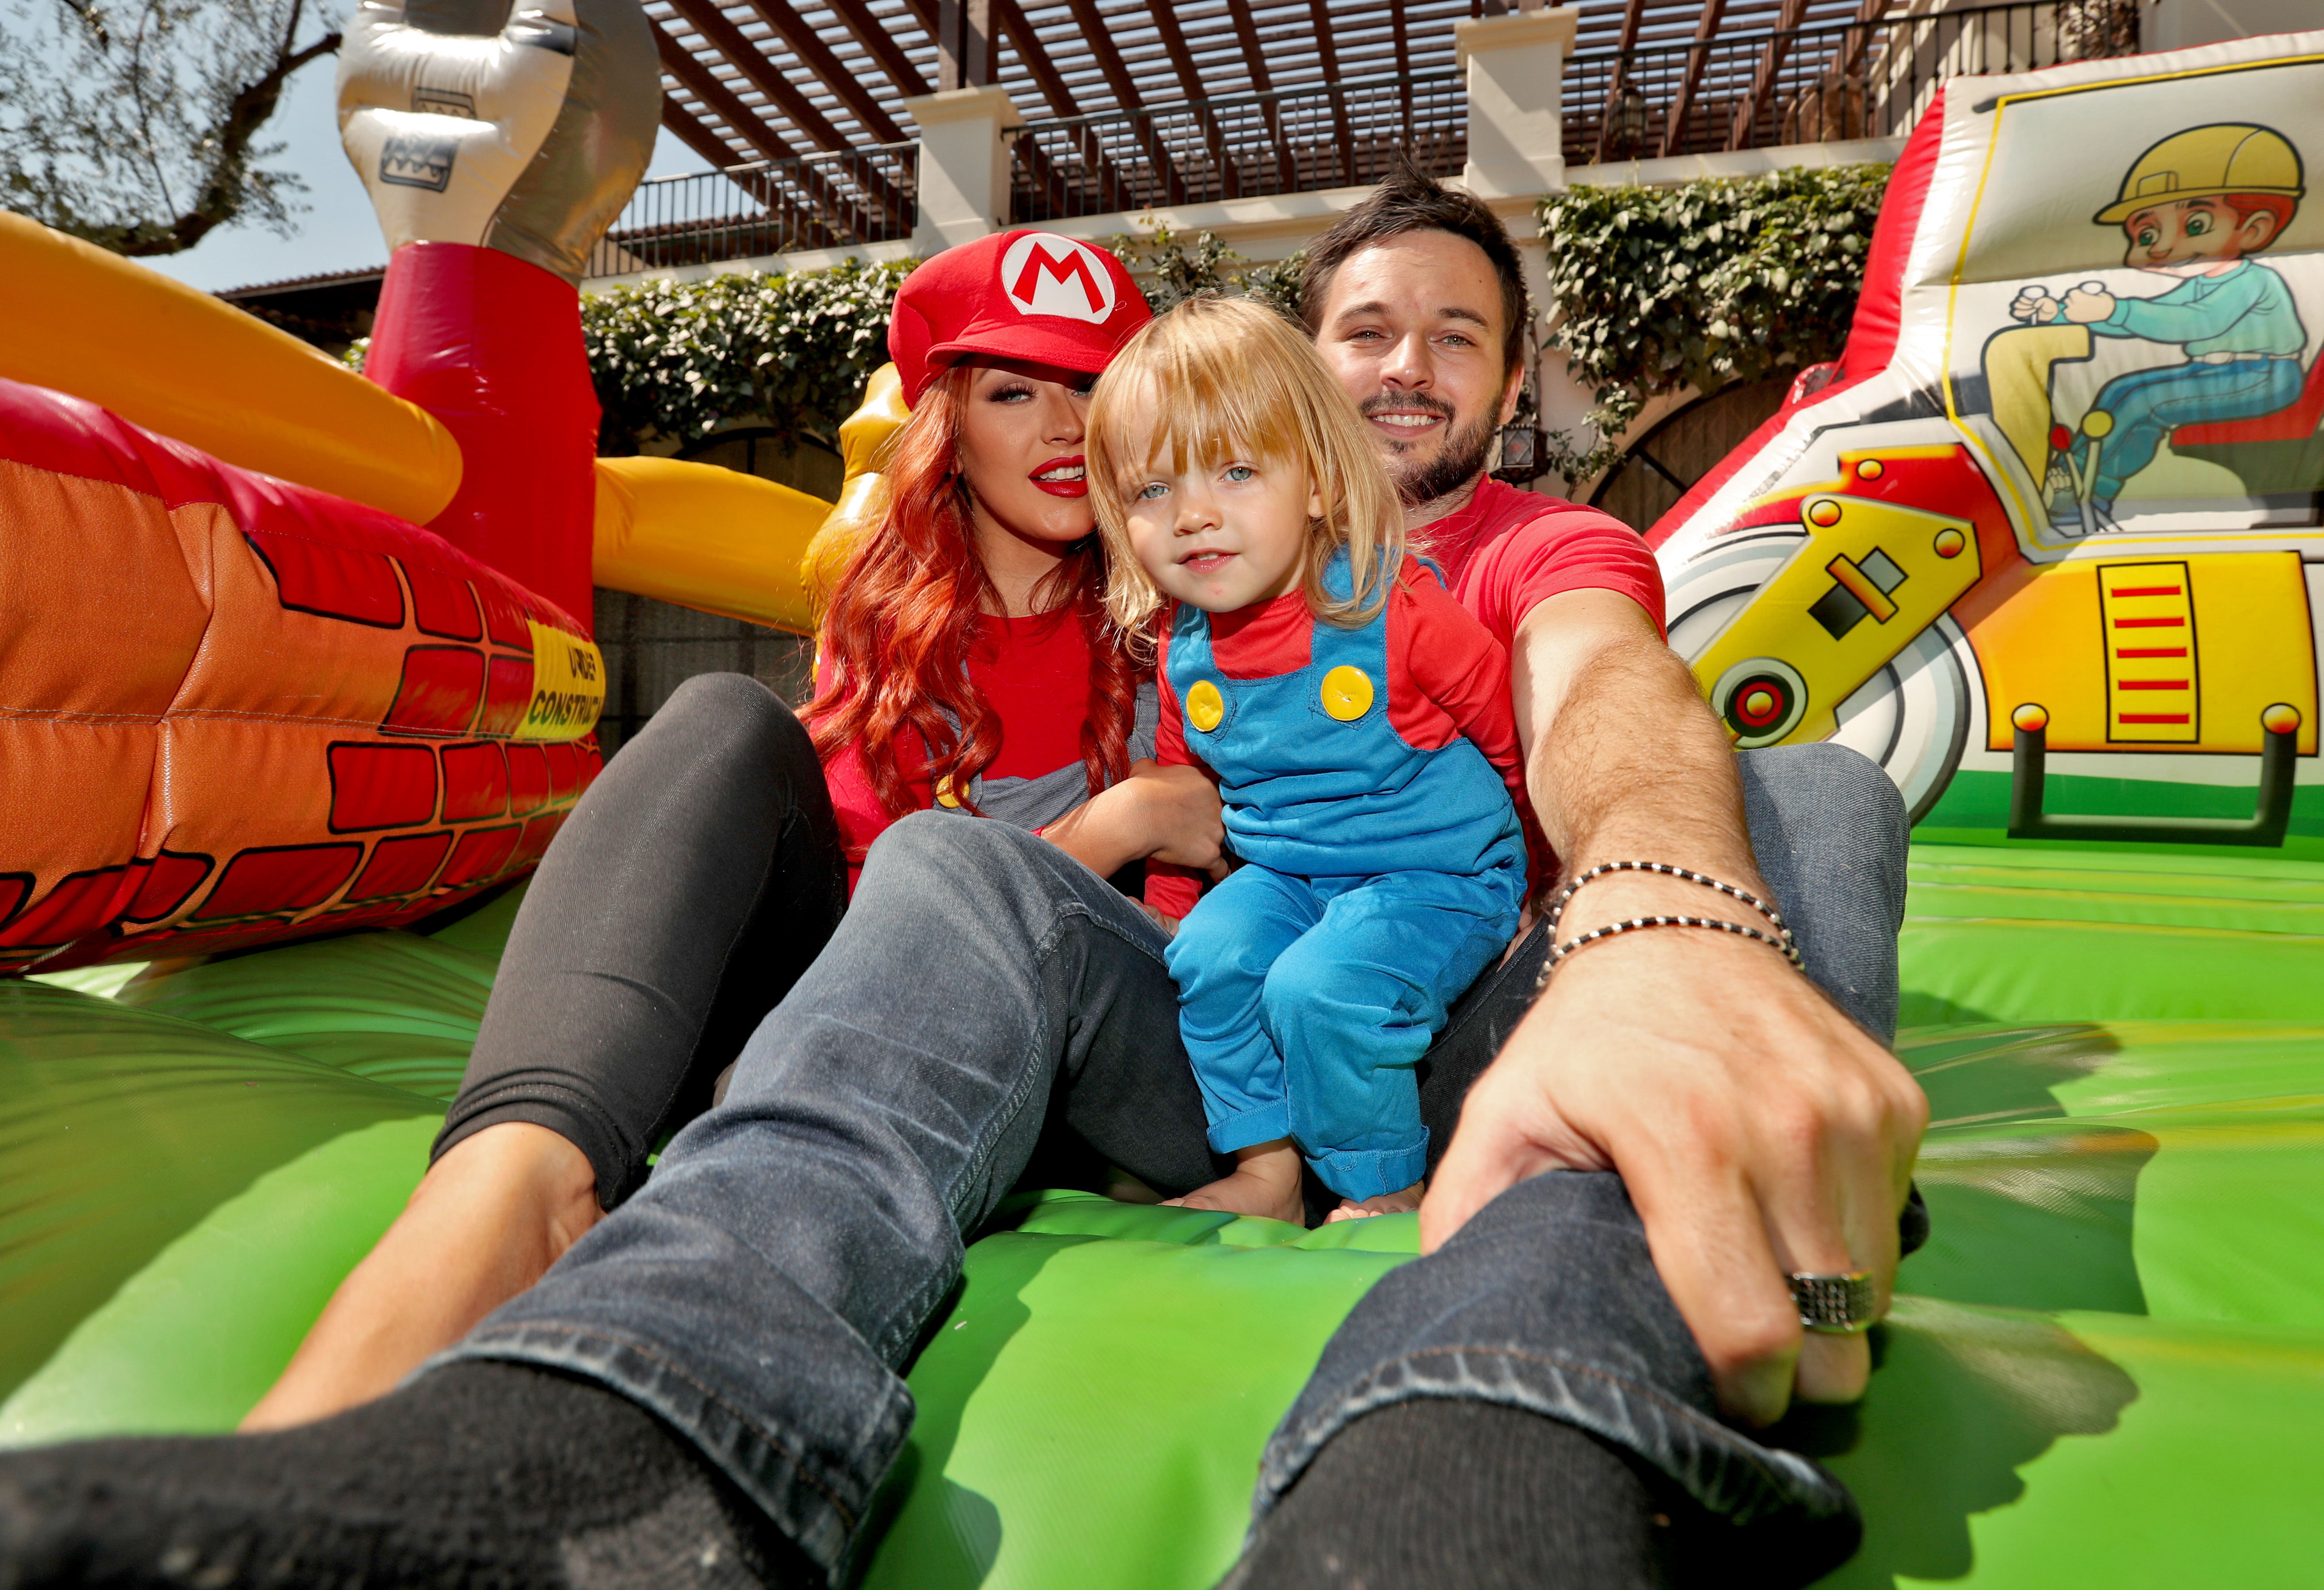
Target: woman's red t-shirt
[(1034, 673)]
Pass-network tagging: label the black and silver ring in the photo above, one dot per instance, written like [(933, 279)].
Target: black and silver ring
[(1836, 1304)]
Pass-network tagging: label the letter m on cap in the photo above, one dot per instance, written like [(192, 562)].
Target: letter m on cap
[(1046, 274)]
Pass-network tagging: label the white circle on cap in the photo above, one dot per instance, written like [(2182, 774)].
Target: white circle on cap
[(1044, 274)]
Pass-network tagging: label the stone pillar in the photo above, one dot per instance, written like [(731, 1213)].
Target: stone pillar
[(964, 164), (1516, 64)]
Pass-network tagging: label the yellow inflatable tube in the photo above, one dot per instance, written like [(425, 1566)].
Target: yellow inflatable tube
[(733, 544), (706, 537), (175, 360)]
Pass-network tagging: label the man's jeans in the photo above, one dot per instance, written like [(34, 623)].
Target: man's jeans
[(765, 1290)]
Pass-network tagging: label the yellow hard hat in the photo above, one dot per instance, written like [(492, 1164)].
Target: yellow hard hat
[(2208, 162)]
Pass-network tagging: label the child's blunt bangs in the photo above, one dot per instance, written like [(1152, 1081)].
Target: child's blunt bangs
[(1230, 378)]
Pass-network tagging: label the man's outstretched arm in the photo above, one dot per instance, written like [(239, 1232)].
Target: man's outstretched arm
[(1759, 1131)]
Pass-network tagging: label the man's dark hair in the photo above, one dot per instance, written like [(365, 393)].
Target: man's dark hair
[(1410, 200)]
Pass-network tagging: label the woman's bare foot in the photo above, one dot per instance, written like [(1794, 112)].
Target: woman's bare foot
[(488, 1221), (1395, 1203), (1264, 1183)]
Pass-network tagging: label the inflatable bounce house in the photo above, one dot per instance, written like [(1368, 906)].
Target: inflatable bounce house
[(296, 665)]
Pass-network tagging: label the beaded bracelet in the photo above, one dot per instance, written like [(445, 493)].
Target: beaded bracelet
[(1782, 941), (1558, 952), (1663, 869)]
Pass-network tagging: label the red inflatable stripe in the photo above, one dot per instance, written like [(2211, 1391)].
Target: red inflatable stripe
[(481, 852), (81, 904), (401, 866), (13, 890), (280, 878), (563, 771), (350, 583), (381, 787), (528, 778), (440, 686), (492, 347), (538, 833), (510, 693), (172, 877), (476, 782), (443, 605)]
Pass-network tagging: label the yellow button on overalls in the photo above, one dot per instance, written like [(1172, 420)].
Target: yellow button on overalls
[(1347, 693)]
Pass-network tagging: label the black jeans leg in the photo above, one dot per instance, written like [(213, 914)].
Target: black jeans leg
[(697, 880)]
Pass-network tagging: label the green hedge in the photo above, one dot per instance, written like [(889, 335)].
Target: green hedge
[(676, 360), (1700, 284)]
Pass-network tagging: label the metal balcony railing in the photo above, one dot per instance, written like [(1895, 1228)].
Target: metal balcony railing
[(834, 200), (1818, 84), (1245, 146), (1735, 91)]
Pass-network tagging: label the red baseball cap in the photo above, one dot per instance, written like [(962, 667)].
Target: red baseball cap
[(1019, 295)]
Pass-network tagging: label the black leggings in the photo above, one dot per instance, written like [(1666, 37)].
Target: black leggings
[(694, 883)]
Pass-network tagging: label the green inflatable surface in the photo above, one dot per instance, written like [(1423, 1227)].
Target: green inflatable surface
[(2108, 1371)]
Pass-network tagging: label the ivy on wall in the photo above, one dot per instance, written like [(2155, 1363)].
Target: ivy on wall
[(674, 361), (1176, 270), (1700, 284)]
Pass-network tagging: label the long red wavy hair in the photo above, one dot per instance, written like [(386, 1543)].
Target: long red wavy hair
[(895, 637)]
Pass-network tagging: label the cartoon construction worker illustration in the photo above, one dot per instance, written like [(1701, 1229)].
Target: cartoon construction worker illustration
[(2195, 207)]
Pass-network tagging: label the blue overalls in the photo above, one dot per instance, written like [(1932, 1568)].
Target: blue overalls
[(1382, 880)]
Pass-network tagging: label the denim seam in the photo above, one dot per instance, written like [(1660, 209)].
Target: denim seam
[(1278, 1476), (478, 1347)]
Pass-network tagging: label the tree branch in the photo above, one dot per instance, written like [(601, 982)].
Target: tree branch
[(220, 198)]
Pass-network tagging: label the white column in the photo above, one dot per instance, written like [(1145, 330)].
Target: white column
[(964, 164), (1516, 68)]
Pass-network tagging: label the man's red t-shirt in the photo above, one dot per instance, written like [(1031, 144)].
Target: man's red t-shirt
[(1510, 550)]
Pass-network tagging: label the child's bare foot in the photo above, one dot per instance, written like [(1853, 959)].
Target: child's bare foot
[(1266, 1183), (1395, 1203)]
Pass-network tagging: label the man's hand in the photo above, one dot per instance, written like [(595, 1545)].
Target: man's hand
[(1759, 1132)]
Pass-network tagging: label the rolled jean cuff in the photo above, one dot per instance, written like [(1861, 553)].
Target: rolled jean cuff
[(1547, 1300), (1371, 1173), (1251, 1127), (811, 1459)]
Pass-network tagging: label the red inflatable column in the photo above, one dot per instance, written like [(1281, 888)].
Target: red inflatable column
[(492, 347)]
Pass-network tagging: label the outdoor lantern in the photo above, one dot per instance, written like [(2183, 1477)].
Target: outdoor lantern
[(1627, 118), (1520, 453)]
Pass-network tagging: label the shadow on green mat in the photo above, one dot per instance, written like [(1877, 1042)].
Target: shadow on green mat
[(2027, 1210), (1971, 1397)]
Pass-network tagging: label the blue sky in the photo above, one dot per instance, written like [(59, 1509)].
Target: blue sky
[(337, 231)]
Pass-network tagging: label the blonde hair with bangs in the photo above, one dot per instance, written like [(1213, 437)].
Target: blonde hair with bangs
[(1228, 378)]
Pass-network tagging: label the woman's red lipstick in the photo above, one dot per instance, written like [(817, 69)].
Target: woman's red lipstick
[(1075, 486)]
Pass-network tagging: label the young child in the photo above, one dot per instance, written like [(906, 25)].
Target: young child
[(1357, 721)]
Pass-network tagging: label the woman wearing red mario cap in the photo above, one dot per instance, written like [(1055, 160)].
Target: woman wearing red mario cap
[(966, 664)]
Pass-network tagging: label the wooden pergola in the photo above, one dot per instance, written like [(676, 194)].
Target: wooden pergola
[(766, 79)]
